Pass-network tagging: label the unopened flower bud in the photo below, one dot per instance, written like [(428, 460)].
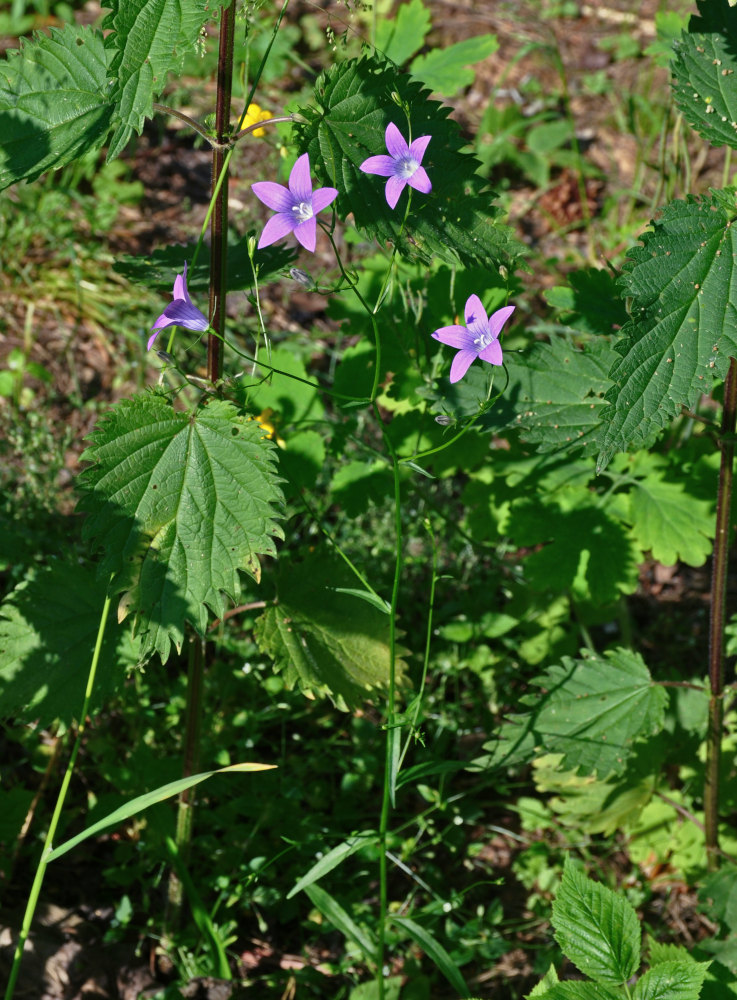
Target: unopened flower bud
[(302, 277)]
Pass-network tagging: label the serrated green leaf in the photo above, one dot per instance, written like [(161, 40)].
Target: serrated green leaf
[(578, 991), (597, 929), (704, 67), (55, 103), (549, 979), (672, 981), (326, 642), (336, 856), (456, 221), (48, 630), (659, 952), (683, 329), (149, 38), (446, 70), (558, 392), (718, 896), (181, 503), (398, 39), (592, 711), (434, 951)]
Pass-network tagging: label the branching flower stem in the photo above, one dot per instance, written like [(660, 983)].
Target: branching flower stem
[(51, 832), (716, 620)]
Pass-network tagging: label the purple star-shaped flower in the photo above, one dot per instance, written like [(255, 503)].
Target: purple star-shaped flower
[(479, 338), (401, 166), (180, 311), (295, 206)]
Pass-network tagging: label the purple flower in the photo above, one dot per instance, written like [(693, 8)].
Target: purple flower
[(479, 338), (180, 311), (295, 206), (401, 166)]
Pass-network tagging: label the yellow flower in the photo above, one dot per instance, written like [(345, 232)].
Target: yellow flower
[(255, 114)]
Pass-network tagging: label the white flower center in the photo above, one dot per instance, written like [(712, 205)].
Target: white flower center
[(302, 211), (482, 342), (406, 167)]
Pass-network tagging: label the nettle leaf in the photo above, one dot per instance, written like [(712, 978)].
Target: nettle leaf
[(597, 929), (672, 981), (149, 39), (55, 103), (683, 329), (557, 391), (704, 67), (577, 991), (48, 630), (592, 711), (456, 221), (325, 640), (181, 503)]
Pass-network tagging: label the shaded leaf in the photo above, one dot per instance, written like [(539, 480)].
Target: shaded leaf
[(332, 859), (55, 103), (434, 951), (592, 711), (326, 641), (48, 630), (181, 503), (331, 908)]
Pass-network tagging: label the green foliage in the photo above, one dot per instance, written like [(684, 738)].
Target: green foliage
[(681, 332), (456, 221), (147, 40), (592, 711), (323, 638), (704, 69), (55, 103), (48, 629), (447, 70), (598, 931), (157, 477)]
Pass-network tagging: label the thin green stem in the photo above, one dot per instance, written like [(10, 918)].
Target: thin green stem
[(392, 733), (716, 619), (61, 798)]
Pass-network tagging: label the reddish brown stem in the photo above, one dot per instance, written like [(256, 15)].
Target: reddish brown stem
[(716, 623)]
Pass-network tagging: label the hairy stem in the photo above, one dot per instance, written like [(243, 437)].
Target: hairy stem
[(716, 623)]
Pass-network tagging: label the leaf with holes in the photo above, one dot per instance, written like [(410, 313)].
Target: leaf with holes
[(54, 102), (683, 326), (456, 221), (181, 503), (704, 68), (324, 639)]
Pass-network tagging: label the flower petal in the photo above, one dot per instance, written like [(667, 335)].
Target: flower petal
[(274, 196), (395, 142), (420, 181), (322, 197), (492, 353), (151, 340), (384, 166), (394, 187), (180, 285), (277, 228), (181, 313), (306, 233), (455, 336), (475, 312), (498, 319), (461, 363), (300, 182), (418, 146)]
